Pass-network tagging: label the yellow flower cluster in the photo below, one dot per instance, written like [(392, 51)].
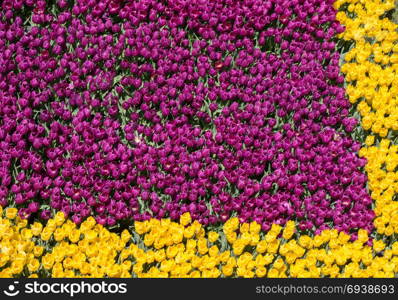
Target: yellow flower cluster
[(163, 248), (371, 73), (371, 66), (382, 161)]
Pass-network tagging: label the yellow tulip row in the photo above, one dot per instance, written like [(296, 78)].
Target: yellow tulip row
[(163, 248), (371, 66), (371, 74)]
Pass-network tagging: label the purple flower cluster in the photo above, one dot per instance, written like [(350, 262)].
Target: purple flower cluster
[(133, 109)]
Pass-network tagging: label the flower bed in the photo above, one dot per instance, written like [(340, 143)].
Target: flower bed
[(120, 119), (163, 248)]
